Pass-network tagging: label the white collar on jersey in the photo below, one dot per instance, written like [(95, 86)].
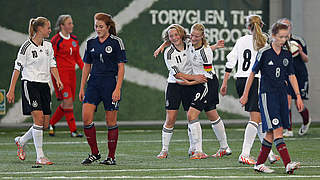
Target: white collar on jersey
[(66, 38)]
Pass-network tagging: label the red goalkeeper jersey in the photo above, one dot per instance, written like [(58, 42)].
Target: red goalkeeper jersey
[(66, 51)]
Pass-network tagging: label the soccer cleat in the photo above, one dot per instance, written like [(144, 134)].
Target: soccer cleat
[(292, 166), (273, 159), (51, 130), (20, 152), (90, 159), (304, 128), (223, 152), (162, 155), (76, 134), (288, 133), (44, 161), (199, 155), (246, 160), (109, 161), (190, 152), (262, 168)]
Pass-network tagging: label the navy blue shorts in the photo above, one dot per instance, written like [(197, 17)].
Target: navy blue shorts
[(303, 87), (274, 110), (99, 89)]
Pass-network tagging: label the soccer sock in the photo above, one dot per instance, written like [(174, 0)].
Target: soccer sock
[(290, 118), (261, 136), (37, 133), (196, 134), (220, 132), (166, 137), (191, 147), (264, 151), (283, 151), (27, 136), (249, 136), (305, 116), (113, 133), (90, 132), (57, 115), (70, 119)]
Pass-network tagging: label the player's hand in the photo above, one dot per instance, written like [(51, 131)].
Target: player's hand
[(299, 103), (184, 82), (220, 44), (200, 78), (10, 96), (223, 89), (116, 95), (156, 52), (81, 94), (244, 99), (59, 85)]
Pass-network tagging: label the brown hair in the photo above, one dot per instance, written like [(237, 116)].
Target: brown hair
[(107, 19), (60, 21), (181, 31), (276, 27), (34, 23), (201, 28), (255, 23)]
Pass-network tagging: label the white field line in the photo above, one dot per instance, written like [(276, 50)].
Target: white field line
[(138, 170), (135, 75), (150, 141)]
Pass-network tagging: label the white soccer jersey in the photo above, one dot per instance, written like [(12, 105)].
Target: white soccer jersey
[(176, 62), (244, 54), (201, 60), (34, 62)]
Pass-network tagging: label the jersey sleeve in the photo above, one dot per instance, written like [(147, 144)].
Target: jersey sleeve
[(52, 59), (257, 65), (120, 51), (87, 57), (170, 63), (232, 58), (206, 55), (21, 59)]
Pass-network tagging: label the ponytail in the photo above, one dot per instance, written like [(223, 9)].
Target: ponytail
[(31, 27), (255, 24)]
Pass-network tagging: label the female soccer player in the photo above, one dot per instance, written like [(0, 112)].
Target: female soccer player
[(178, 65), (35, 61), (104, 59), (244, 53), (276, 66), (301, 72), (66, 50)]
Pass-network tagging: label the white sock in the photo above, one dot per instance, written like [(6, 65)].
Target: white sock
[(27, 136), (37, 133), (196, 135), (249, 136), (220, 132), (191, 147), (261, 136), (166, 137)]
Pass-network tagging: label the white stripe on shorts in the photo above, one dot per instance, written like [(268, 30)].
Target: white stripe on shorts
[(265, 109), (26, 93), (205, 91)]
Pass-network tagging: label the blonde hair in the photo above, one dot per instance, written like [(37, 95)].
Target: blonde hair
[(255, 23), (107, 19), (201, 28), (181, 31), (34, 23), (60, 21)]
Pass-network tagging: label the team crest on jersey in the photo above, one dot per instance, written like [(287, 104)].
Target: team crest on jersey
[(47, 52), (285, 62), (34, 104), (65, 94), (275, 121), (74, 44), (108, 49)]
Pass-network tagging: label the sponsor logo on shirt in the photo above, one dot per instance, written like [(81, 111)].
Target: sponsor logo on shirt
[(270, 63)]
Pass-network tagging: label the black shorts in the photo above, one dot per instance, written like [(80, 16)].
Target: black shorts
[(253, 97), (35, 96), (177, 94), (303, 84), (206, 95)]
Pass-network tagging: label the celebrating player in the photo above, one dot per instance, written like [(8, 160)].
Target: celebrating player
[(301, 72), (66, 50), (104, 59), (35, 61), (244, 53), (276, 66)]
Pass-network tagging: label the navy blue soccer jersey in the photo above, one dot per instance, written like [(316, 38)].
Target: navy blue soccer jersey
[(298, 64), (274, 68), (105, 56)]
